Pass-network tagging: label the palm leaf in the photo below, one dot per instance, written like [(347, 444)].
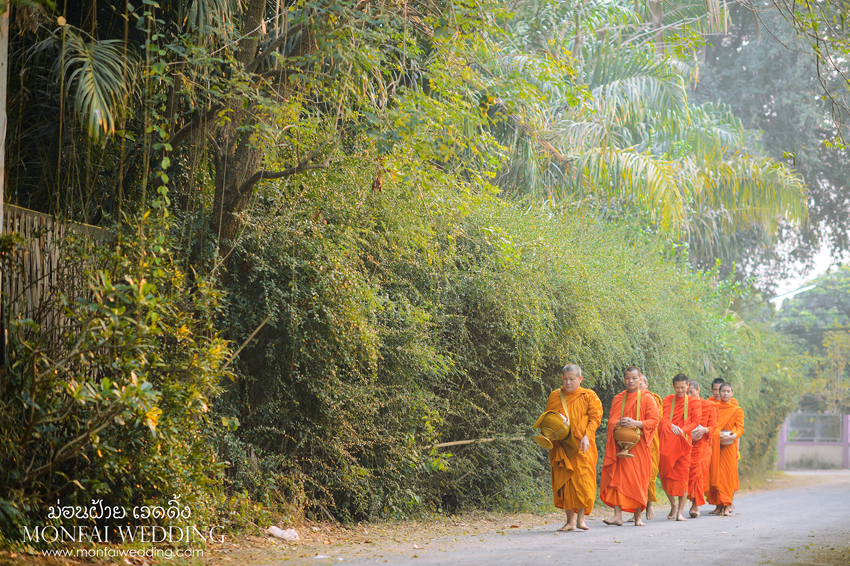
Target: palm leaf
[(98, 77)]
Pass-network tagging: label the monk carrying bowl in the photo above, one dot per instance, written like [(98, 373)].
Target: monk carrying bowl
[(626, 438)]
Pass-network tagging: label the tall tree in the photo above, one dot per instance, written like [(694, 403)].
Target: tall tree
[(635, 138), (761, 71)]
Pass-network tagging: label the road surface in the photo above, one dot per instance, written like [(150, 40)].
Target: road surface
[(805, 525), (808, 524)]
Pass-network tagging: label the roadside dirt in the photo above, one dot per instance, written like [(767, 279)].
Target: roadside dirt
[(346, 542)]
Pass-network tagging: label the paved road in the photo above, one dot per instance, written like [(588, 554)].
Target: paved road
[(799, 526)]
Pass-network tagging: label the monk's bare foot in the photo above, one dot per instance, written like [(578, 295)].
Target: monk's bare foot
[(727, 511), (583, 526), (650, 513), (639, 523), (630, 519), (680, 517), (694, 512), (566, 528), (716, 510), (613, 521), (671, 514)]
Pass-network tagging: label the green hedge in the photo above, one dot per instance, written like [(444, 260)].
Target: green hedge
[(405, 317)]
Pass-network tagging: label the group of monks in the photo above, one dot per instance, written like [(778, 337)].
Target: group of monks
[(690, 442)]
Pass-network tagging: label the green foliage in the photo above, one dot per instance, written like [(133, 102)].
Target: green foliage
[(338, 176), (110, 401), (760, 71), (390, 332), (819, 319)]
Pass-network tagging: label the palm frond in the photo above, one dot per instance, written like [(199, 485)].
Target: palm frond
[(628, 85), (641, 178), (199, 15), (754, 191), (97, 75)]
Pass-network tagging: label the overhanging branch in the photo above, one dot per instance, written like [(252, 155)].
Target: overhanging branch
[(197, 120), (271, 48), (305, 164)]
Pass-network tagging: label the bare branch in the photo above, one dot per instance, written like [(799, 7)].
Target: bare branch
[(305, 164), (197, 120), (272, 47)]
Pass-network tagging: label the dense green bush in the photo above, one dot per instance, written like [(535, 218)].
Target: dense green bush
[(410, 316), (118, 409)]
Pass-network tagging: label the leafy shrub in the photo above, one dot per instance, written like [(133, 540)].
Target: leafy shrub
[(409, 316), (117, 409)]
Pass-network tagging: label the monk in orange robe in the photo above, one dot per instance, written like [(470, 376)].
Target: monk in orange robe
[(679, 418), (624, 480), (715, 391), (712, 427), (715, 397), (701, 450), (723, 473), (574, 477), (655, 452)]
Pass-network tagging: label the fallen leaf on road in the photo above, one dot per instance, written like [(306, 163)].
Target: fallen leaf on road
[(514, 526), (415, 545)]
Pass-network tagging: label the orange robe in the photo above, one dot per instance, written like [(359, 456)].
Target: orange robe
[(723, 473), (655, 452), (711, 406), (674, 466), (701, 448), (734, 402), (624, 480), (574, 479)]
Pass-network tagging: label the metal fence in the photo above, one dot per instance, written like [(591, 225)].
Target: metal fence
[(814, 441), (815, 427)]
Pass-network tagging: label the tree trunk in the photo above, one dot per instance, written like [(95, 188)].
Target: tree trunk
[(4, 69), (656, 11), (236, 158)]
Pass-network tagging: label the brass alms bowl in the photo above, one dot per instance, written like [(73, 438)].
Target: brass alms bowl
[(626, 437), (553, 427)]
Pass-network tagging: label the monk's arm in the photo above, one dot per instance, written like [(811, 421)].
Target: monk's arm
[(594, 416), (664, 414), (650, 418), (712, 420), (738, 427), (554, 403), (694, 416)]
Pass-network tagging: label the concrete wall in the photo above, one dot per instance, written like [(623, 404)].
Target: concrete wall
[(815, 456)]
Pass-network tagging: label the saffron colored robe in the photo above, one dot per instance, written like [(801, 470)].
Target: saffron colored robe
[(674, 466), (624, 480), (574, 479), (655, 453), (701, 452), (723, 472), (732, 401), (712, 426)]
